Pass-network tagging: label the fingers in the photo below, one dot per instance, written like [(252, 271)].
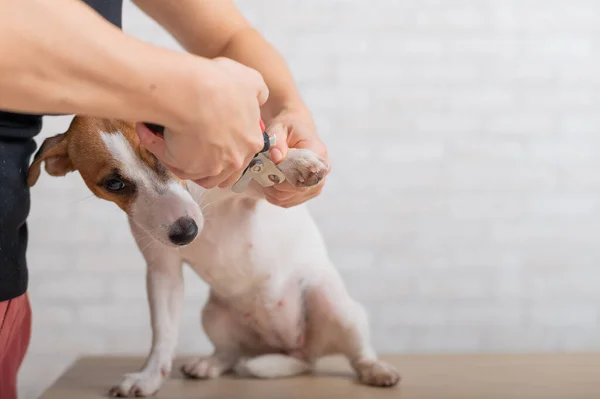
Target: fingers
[(225, 179), (208, 182), (285, 195), (222, 181), (214, 181), (276, 155), (215, 152), (156, 145), (178, 172), (280, 197), (263, 93), (230, 181), (295, 199), (285, 188), (279, 151), (235, 175)]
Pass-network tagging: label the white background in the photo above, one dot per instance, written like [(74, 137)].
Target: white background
[(463, 207)]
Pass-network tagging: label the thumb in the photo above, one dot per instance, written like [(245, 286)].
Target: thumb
[(279, 151)]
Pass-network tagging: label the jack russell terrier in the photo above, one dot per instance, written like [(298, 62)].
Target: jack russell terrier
[(276, 305)]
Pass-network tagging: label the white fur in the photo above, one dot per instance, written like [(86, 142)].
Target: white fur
[(271, 366), (277, 303), (121, 150), (158, 204)]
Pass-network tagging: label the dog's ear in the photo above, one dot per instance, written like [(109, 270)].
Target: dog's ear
[(53, 152)]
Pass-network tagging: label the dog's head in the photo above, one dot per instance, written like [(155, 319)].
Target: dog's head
[(115, 167)]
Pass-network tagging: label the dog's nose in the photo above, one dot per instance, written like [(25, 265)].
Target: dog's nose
[(183, 231)]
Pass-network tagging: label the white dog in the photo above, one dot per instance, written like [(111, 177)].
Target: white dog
[(276, 303)]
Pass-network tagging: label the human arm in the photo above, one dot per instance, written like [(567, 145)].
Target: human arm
[(61, 57), (217, 28)]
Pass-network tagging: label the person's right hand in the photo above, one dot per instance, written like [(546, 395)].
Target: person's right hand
[(218, 130)]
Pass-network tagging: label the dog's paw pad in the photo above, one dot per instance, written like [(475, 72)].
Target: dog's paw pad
[(137, 385), (303, 168), (378, 374), (202, 368)]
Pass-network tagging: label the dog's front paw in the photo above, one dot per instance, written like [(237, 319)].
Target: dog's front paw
[(378, 373), (138, 384), (303, 168), (204, 367)]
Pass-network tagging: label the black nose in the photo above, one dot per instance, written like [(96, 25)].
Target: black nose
[(183, 231)]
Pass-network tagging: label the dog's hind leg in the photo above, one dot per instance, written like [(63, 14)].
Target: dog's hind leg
[(226, 334), (339, 325), (356, 345)]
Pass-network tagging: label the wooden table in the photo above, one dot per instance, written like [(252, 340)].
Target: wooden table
[(548, 376)]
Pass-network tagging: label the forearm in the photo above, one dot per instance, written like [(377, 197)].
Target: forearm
[(249, 47), (212, 28), (61, 57)]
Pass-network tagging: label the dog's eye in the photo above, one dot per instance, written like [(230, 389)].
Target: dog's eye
[(114, 185)]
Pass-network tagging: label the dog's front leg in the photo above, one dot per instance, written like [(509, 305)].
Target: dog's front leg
[(165, 295)]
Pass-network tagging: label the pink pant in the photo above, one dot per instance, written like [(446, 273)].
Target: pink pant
[(15, 331)]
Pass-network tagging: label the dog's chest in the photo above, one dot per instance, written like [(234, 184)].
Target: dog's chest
[(225, 252), (244, 240)]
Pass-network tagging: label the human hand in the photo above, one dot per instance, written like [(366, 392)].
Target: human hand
[(294, 129), (216, 131)]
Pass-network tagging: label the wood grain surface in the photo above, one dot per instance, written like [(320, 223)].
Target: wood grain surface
[(536, 376)]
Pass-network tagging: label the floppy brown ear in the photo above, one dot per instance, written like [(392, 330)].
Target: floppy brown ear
[(53, 152)]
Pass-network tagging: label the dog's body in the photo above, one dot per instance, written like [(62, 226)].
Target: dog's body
[(276, 304)]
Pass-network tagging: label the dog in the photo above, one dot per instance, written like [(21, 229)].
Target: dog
[(276, 304)]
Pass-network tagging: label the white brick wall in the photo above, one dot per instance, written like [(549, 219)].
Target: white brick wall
[(464, 135)]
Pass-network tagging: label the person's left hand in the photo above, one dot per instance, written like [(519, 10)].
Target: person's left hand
[(294, 129)]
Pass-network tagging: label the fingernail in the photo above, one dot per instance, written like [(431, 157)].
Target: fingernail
[(276, 155)]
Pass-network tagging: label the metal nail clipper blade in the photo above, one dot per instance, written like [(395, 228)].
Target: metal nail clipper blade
[(261, 168)]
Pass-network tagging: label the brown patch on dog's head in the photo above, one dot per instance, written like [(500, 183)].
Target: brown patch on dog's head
[(81, 148), (76, 149), (115, 167)]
